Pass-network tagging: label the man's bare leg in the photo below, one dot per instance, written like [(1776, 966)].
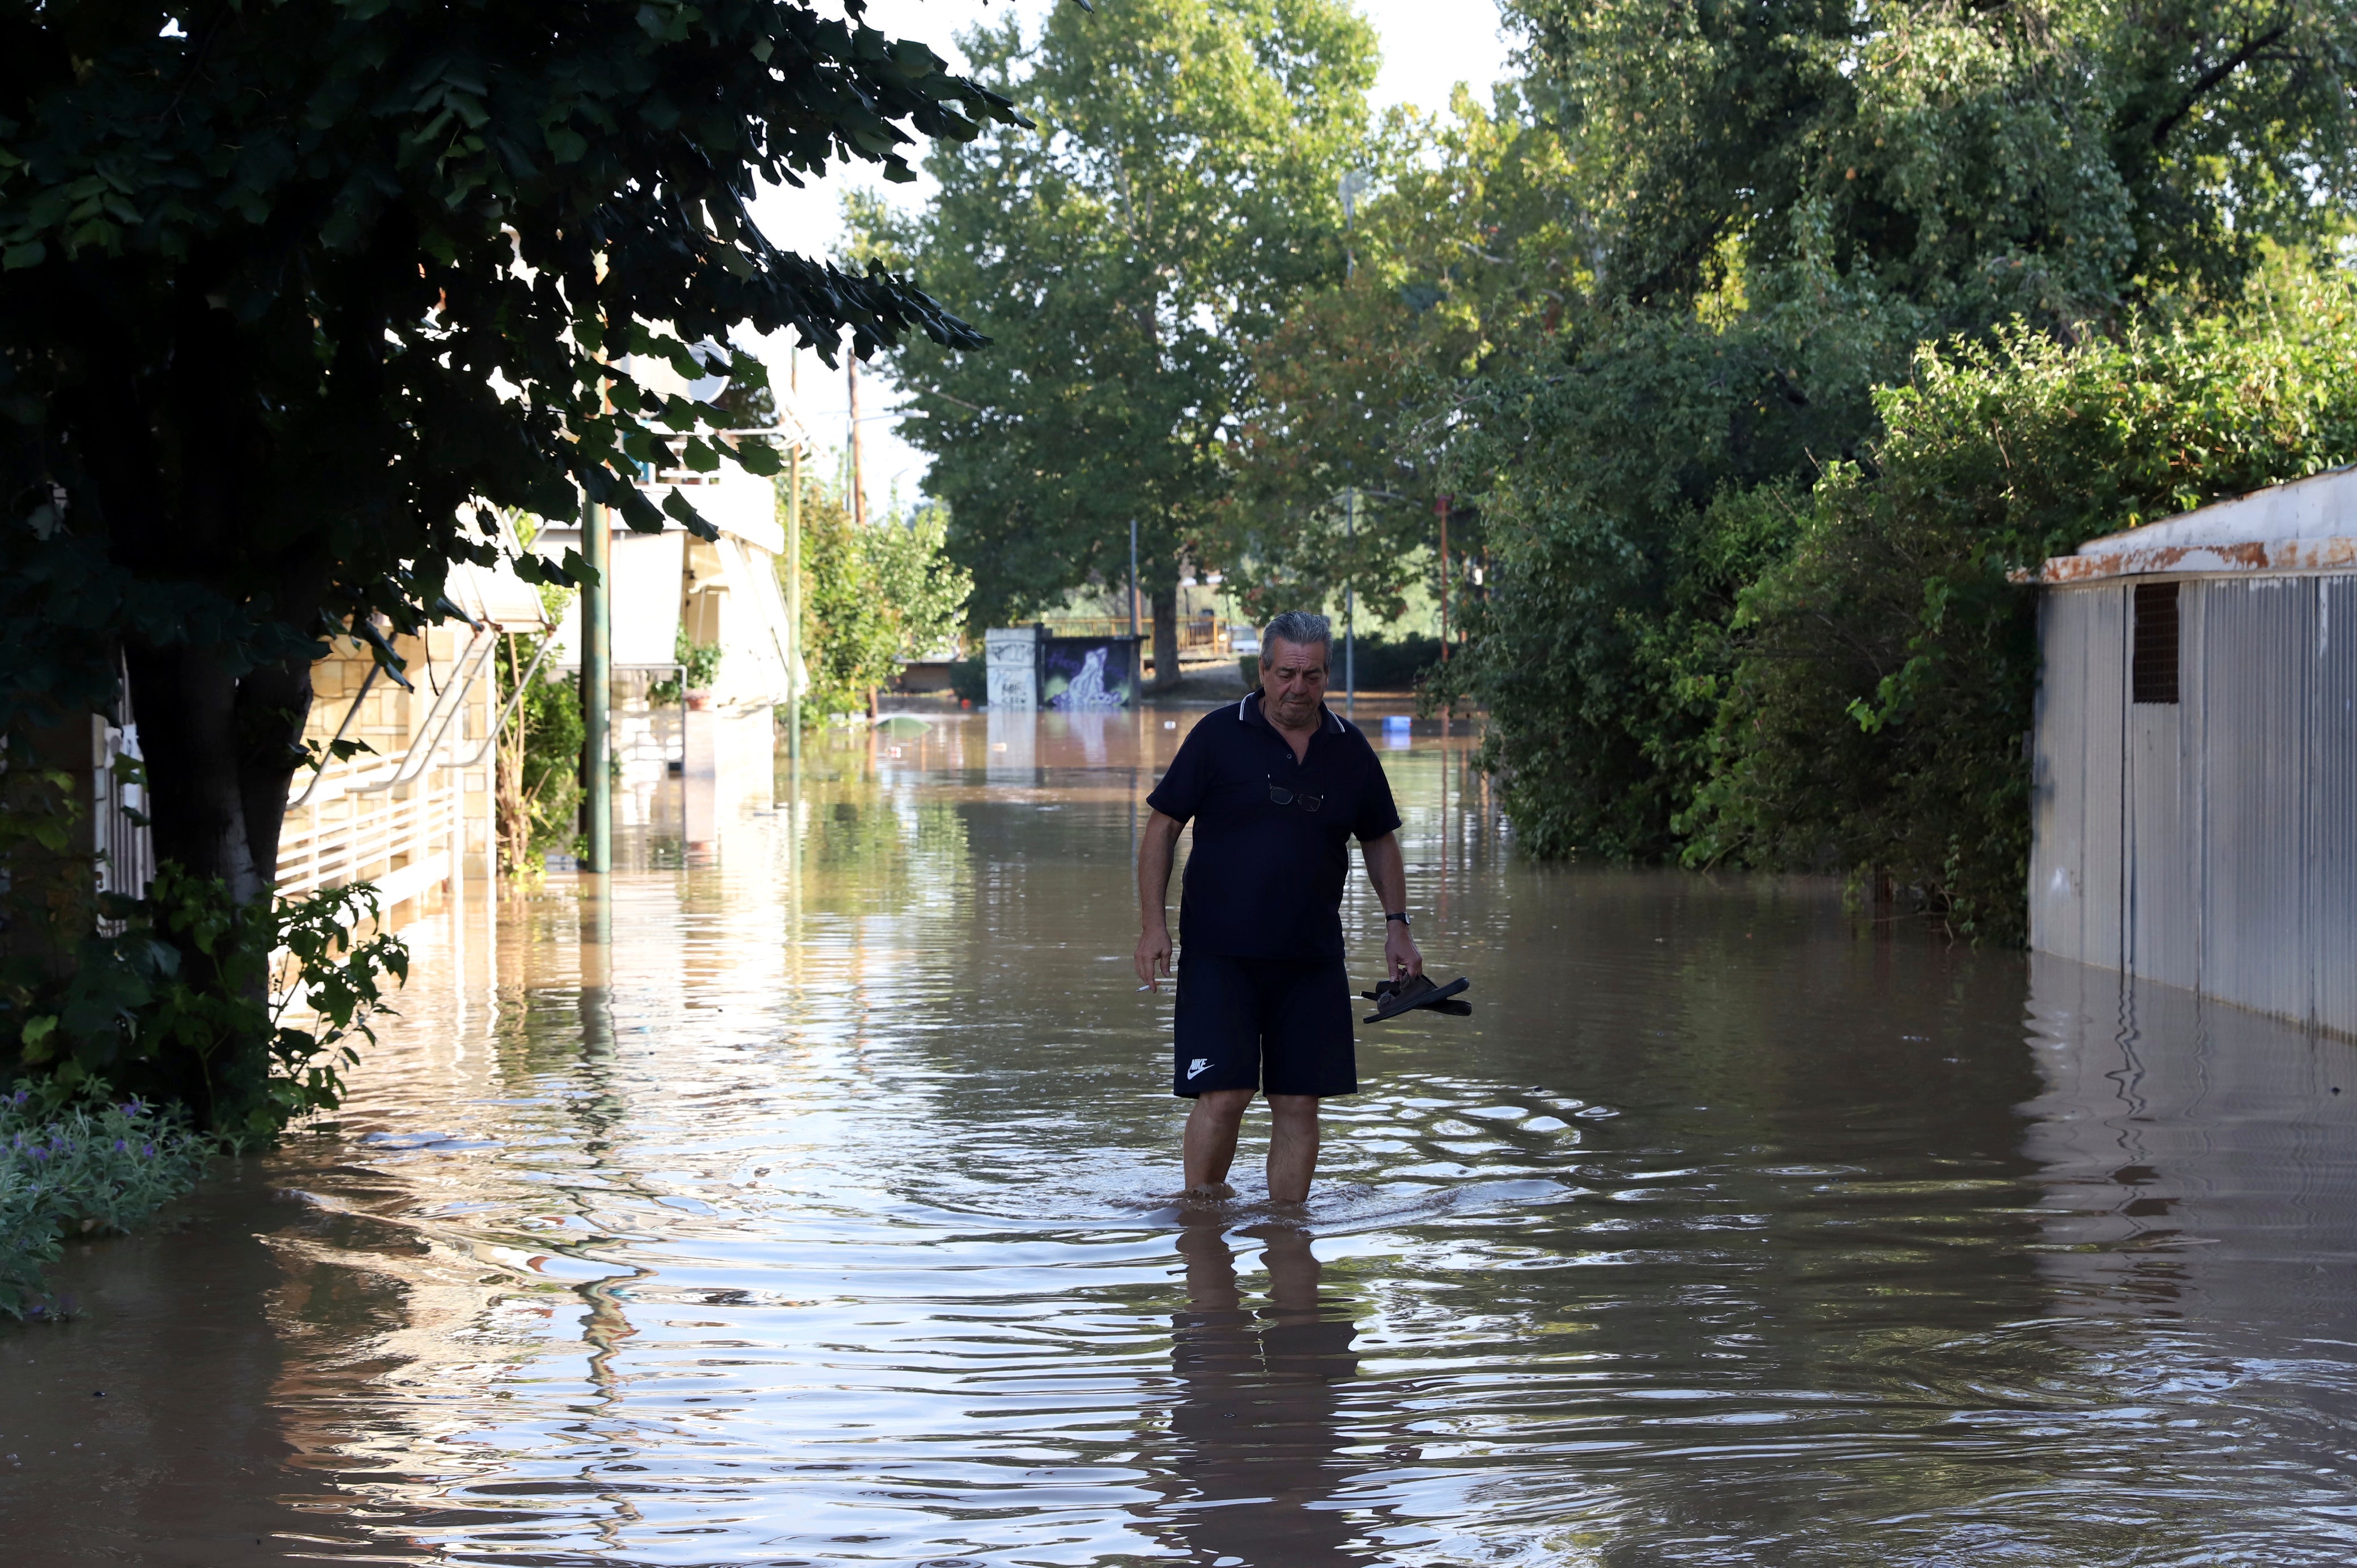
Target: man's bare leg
[(1211, 1146), (1292, 1146)]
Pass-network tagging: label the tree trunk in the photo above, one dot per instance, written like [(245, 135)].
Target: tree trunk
[(274, 704), (220, 751), (1166, 636), (221, 738)]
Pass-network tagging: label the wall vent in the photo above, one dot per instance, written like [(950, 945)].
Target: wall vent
[(2154, 649)]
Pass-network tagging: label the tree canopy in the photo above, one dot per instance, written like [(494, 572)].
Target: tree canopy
[(1467, 247), (1781, 205), (1887, 671), (295, 294), (2050, 159), (1174, 197)]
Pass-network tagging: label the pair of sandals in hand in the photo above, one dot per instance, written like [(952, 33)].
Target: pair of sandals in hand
[(1393, 998)]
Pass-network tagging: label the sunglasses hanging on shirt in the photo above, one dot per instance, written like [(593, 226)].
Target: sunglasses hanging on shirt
[(1284, 797)]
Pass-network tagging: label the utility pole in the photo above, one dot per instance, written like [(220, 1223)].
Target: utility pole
[(794, 574), (597, 690), (858, 468), (1137, 665), (1441, 506)]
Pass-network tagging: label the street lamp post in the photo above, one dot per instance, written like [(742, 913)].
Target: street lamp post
[(1351, 610), (794, 581), (1138, 665), (597, 689)]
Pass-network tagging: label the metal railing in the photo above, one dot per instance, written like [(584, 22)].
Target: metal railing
[(396, 819), (1204, 634), (371, 838)]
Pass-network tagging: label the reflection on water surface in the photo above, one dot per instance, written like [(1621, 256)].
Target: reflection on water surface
[(805, 1199)]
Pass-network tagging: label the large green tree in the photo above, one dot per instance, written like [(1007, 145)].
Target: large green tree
[(1889, 670), (1177, 194), (2052, 157), (1783, 201), (1467, 247), (294, 294)]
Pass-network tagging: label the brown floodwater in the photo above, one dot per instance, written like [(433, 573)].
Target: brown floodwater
[(806, 1198)]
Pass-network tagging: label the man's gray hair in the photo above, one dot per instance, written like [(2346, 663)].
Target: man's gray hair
[(1299, 628)]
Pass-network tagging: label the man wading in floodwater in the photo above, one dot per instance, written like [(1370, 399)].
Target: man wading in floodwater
[(1275, 786)]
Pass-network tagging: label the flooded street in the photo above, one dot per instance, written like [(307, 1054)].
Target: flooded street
[(808, 1200)]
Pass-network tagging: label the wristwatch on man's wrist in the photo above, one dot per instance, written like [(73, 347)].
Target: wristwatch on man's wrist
[(1401, 918)]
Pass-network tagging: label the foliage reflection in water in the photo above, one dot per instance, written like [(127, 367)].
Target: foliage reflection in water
[(806, 1198)]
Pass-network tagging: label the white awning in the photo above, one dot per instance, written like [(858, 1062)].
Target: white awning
[(754, 634), (646, 571), (733, 501), (495, 594)]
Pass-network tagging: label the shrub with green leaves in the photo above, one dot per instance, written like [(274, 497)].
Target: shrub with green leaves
[(194, 1003), (1884, 667), (699, 666), (77, 1167), (871, 597), (1698, 654), (1601, 646), (539, 784)]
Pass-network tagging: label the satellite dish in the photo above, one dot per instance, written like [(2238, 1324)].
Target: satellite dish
[(707, 389)]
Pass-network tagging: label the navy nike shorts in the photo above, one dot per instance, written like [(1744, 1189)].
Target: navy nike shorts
[(1273, 1024)]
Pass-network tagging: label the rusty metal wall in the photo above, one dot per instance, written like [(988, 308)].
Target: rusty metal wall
[(2212, 844)]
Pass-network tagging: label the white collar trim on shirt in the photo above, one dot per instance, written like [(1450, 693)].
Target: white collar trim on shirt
[(1245, 700)]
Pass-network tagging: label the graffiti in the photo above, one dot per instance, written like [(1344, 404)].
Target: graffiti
[(1082, 674)]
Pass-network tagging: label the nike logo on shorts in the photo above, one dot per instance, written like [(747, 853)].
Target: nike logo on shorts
[(1198, 1066)]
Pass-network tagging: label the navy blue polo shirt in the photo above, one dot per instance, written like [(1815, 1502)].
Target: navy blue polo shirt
[(1265, 880)]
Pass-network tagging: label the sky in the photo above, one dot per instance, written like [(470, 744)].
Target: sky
[(1428, 47)]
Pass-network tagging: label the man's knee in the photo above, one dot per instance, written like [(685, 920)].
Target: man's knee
[(1294, 1109), (1225, 1104)]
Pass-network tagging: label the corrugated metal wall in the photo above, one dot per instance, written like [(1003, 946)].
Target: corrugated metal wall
[(2212, 842), (2255, 687), (2076, 896), (2332, 857)]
